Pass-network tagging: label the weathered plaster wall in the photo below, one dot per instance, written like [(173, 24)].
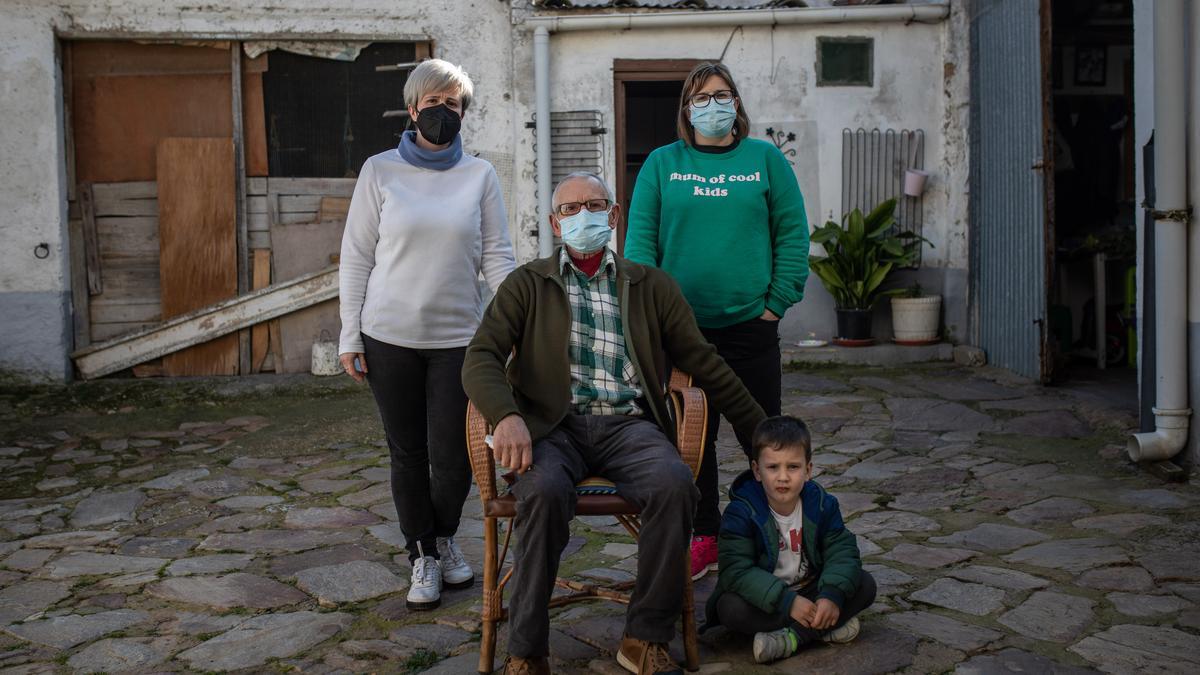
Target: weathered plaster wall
[(919, 84)]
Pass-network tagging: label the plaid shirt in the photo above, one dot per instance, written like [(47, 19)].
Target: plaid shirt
[(603, 379)]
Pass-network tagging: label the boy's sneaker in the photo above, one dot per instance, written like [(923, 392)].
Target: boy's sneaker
[(843, 633), (456, 573), (704, 556), (775, 645), (425, 587)]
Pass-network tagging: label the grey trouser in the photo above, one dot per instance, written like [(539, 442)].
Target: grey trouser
[(634, 454)]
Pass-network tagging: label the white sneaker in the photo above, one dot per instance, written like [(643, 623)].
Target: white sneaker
[(456, 573), (844, 633), (425, 586)]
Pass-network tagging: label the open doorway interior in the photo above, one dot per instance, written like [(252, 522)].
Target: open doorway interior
[(647, 101), (1092, 294)]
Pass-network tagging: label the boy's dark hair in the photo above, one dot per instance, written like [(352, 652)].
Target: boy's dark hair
[(782, 431)]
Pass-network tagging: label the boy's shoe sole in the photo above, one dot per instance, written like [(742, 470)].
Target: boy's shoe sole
[(844, 633), (626, 663), (711, 567)]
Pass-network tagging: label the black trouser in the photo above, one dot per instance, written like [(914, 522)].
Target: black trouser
[(751, 349), (635, 455), (743, 617), (420, 397)]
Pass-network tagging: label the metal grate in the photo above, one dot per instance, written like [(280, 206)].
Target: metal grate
[(576, 142), (873, 165), (503, 163)]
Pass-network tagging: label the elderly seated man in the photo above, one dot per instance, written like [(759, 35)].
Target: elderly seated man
[(584, 396)]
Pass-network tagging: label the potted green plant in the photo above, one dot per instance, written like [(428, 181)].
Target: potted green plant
[(860, 255), (916, 316)]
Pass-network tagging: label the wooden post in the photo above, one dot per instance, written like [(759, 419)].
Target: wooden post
[(91, 243), (260, 340), (239, 191), (80, 296)]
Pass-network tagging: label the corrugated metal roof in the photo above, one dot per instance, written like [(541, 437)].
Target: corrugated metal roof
[(673, 4)]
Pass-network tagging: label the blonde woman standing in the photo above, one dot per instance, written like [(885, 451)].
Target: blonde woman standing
[(424, 222)]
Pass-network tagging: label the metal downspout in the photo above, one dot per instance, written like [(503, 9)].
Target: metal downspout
[(1171, 410), (541, 87)]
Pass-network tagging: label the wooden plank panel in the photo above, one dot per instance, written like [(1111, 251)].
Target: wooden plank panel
[(124, 312), (300, 249), (334, 208), (335, 187), (261, 222), (140, 189), (135, 237), (260, 335), (260, 240), (203, 324), (197, 243), (103, 332), (126, 207), (256, 185), (91, 246)]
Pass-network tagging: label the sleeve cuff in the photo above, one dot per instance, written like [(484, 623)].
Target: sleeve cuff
[(833, 595), (777, 306)]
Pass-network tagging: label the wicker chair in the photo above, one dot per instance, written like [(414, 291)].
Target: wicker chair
[(690, 416)]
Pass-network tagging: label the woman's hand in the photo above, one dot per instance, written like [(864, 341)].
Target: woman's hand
[(767, 315), (348, 359)]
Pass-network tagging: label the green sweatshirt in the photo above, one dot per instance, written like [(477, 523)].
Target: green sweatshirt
[(729, 227)]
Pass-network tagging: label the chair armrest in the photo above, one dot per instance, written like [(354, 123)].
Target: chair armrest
[(691, 420), (482, 464)]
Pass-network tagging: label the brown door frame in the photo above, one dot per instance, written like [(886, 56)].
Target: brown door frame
[(1047, 356), (637, 70)]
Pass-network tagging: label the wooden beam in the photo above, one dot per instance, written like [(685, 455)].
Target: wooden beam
[(205, 324), (91, 243), (80, 295), (239, 194), (260, 335)]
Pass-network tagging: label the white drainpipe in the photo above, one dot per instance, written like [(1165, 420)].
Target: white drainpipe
[(544, 25), (1171, 410), (541, 86)]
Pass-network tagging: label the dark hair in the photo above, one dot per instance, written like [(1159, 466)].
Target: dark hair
[(783, 431), (695, 80)]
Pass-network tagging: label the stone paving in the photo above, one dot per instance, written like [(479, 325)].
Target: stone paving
[(213, 525)]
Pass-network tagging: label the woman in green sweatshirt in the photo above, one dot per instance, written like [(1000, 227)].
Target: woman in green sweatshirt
[(722, 213)]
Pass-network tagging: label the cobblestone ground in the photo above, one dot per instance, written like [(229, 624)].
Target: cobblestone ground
[(247, 524)]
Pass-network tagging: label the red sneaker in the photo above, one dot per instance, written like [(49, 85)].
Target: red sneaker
[(704, 556)]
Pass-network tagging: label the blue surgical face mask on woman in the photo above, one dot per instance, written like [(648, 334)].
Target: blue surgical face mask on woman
[(714, 120), (586, 231)]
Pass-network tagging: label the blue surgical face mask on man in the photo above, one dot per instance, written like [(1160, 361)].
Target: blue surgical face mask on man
[(586, 231), (714, 120)]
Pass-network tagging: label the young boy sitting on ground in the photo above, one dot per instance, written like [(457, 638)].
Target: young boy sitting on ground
[(790, 572)]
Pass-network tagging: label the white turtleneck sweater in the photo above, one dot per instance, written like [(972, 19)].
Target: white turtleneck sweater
[(416, 240)]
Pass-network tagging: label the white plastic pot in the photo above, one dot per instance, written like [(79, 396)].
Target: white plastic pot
[(916, 319)]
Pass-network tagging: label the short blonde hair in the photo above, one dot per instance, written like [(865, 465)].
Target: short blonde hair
[(434, 75)]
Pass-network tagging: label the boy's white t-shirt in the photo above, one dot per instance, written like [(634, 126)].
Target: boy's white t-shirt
[(791, 565)]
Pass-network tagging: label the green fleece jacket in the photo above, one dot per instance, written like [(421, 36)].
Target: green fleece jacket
[(748, 549), (532, 315)]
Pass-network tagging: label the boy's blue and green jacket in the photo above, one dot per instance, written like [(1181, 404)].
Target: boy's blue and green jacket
[(748, 549)]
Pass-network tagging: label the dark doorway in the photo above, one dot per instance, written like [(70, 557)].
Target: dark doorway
[(647, 100), (1092, 308)]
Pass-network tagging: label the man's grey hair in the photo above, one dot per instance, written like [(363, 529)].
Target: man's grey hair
[(435, 75), (583, 174)]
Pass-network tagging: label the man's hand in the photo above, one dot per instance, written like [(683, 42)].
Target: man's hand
[(826, 615), (348, 359), (511, 445), (803, 611), (768, 315)]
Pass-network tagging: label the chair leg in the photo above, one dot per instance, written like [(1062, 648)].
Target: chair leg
[(691, 646), (491, 601)]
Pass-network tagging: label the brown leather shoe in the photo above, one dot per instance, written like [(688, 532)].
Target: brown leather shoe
[(515, 665), (646, 658)]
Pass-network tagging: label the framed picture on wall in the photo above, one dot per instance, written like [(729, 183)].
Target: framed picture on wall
[(1091, 65)]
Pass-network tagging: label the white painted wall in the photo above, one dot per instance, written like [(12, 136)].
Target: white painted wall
[(920, 83)]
